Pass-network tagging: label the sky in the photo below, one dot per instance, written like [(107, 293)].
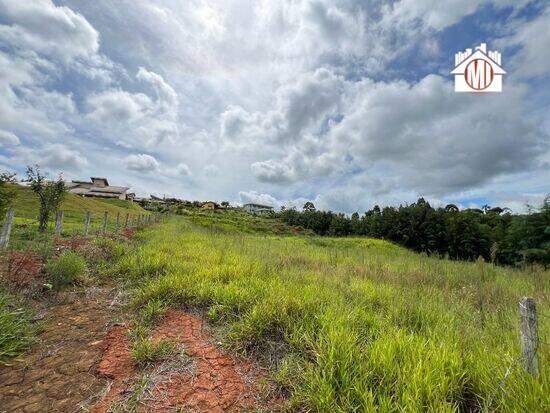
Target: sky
[(345, 103)]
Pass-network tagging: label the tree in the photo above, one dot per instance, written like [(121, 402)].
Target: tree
[(6, 192), (50, 194), (308, 206), (225, 204)]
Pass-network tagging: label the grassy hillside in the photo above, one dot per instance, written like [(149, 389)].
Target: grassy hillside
[(236, 220), (352, 324), (26, 205)]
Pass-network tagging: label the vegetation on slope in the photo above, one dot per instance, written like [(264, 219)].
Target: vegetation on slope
[(239, 221), (493, 233), (353, 324), (26, 205), (20, 275)]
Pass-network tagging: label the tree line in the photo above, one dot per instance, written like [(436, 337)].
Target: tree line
[(495, 234)]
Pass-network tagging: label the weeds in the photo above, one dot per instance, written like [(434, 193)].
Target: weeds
[(66, 269), (145, 351), (16, 330)]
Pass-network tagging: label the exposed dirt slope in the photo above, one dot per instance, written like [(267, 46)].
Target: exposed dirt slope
[(213, 381)]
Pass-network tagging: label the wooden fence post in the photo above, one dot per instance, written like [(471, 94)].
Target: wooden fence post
[(59, 222), (105, 221), (6, 229), (126, 221), (87, 220), (528, 335), (117, 221)]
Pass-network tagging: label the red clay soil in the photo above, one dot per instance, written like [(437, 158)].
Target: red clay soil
[(117, 365), (58, 373), (21, 269), (219, 382)]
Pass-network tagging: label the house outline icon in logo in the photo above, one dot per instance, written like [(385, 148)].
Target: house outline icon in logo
[(478, 72)]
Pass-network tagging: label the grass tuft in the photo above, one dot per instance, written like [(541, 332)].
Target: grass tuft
[(16, 330), (145, 351), (66, 269)]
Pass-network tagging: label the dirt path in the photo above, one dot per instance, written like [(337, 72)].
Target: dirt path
[(59, 373)]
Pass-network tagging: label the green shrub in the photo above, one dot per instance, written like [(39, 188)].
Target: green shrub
[(16, 331), (65, 269)]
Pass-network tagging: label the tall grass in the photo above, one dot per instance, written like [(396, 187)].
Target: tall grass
[(354, 324), (16, 330)]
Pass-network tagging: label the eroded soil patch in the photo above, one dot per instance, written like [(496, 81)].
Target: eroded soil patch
[(216, 382), (21, 269), (59, 373)]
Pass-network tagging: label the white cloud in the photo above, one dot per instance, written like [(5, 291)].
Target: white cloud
[(183, 170), (300, 105), (433, 139), (8, 138), (119, 106), (41, 26), (136, 118), (165, 92), (246, 197), (141, 163), (533, 38), (272, 171), (211, 170), (61, 158)]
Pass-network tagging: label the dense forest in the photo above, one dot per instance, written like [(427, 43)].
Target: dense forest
[(495, 234)]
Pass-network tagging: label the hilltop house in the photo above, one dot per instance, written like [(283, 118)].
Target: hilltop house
[(209, 205), (257, 208), (97, 187)]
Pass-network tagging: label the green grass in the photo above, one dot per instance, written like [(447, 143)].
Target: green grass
[(16, 330), (145, 351), (354, 324), (65, 270), (26, 206), (235, 220)]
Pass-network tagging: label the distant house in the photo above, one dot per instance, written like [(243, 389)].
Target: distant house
[(97, 187), (257, 208), (209, 205)]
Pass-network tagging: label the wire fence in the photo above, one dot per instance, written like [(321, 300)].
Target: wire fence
[(19, 229)]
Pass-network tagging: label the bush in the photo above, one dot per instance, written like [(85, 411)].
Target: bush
[(65, 269)]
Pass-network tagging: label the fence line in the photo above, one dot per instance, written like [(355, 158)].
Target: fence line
[(6, 228), (59, 223), (131, 221)]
